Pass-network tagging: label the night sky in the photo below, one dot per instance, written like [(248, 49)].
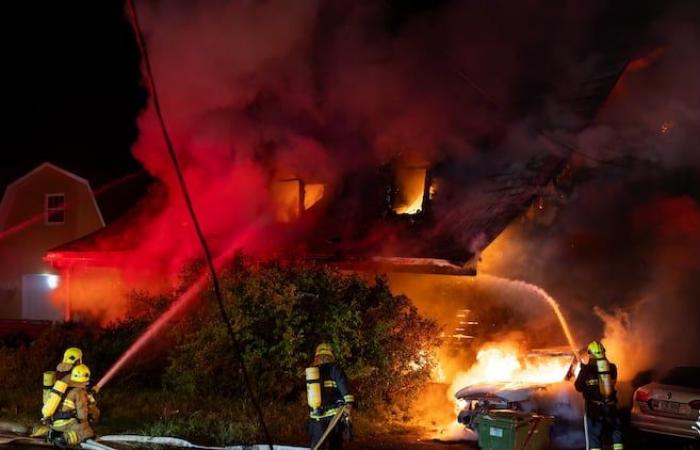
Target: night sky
[(72, 93)]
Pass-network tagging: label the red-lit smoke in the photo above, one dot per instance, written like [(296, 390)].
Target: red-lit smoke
[(258, 91)]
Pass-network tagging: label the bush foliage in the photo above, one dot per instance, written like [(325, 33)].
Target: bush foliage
[(281, 313)]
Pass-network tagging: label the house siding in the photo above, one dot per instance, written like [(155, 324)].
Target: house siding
[(22, 209)]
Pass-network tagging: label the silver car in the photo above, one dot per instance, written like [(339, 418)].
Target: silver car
[(670, 406)]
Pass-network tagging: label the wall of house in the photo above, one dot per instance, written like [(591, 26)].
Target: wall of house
[(29, 236)]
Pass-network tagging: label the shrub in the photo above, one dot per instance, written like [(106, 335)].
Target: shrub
[(281, 313)]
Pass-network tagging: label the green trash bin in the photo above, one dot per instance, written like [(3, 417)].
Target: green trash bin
[(505, 429)]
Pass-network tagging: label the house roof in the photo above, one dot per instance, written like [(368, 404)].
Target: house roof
[(49, 166)]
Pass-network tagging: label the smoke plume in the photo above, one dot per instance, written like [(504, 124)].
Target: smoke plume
[(260, 91)]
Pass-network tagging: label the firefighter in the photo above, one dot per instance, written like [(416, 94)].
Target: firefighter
[(596, 381), (68, 418), (328, 390), (72, 357)]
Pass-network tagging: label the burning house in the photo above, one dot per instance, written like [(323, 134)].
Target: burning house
[(404, 212), (396, 228), (478, 156)]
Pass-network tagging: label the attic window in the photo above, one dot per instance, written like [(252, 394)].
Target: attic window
[(291, 197), (410, 190), (55, 209), (286, 198)]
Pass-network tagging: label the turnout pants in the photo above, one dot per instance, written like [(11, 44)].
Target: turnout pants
[(598, 425), (317, 427), (80, 431)]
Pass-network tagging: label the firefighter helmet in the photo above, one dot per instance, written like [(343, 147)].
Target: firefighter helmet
[(80, 374), (73, 356), (324, 349), (596, 350)]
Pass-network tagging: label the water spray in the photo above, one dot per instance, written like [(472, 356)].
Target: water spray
[(551, 302), (140, 40), (179, 305)]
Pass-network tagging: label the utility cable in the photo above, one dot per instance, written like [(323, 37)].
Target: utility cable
[(195, 221)]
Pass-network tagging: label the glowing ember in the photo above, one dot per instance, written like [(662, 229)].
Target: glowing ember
[(666, 126), (432, 191)]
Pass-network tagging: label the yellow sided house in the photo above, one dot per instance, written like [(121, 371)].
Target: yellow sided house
[(45, 208)]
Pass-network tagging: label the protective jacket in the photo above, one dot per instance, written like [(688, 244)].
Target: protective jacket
[(334, 390), (71, 416), (587, 383)]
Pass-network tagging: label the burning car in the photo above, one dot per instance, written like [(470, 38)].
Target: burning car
[(534, 382), (528, 379)]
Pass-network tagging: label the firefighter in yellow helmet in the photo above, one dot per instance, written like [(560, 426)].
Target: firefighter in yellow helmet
[(334, 392), (596, 381), (68, 419), (72, 357)]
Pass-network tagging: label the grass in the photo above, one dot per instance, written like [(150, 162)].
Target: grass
[(209, 421), (213, 421)]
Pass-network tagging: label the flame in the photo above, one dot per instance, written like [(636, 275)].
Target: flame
[(410, 184), (286, 199), (666, 126), (414, 207), (313, 193), (504, 363)]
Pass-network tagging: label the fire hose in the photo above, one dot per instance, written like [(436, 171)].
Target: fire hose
[(339, 415)]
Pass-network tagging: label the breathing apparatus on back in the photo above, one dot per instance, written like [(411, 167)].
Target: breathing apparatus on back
[(323, 353), (606, 383)]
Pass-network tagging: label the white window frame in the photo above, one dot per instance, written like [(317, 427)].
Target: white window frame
[(46, 209)]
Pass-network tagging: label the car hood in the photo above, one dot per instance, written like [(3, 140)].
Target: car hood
[(510, 392)]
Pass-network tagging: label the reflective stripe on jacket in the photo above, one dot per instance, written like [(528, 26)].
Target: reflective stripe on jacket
[(74, 406), (334, 390), (587, 384)]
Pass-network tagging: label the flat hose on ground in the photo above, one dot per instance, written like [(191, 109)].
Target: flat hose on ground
[(181, 443)]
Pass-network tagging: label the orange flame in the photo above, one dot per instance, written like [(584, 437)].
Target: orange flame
[(504, 363)]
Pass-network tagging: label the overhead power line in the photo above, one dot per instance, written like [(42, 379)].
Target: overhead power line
[(195, 221)]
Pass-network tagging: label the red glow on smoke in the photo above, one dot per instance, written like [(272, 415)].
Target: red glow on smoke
[(674, 223), (182, 303), (646, 60), (633, 66)]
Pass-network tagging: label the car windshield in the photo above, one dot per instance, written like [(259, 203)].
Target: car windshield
[(683, 376)]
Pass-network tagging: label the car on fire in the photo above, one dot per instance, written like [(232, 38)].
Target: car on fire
[(513, 394), (552, 397), (669, 406)]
